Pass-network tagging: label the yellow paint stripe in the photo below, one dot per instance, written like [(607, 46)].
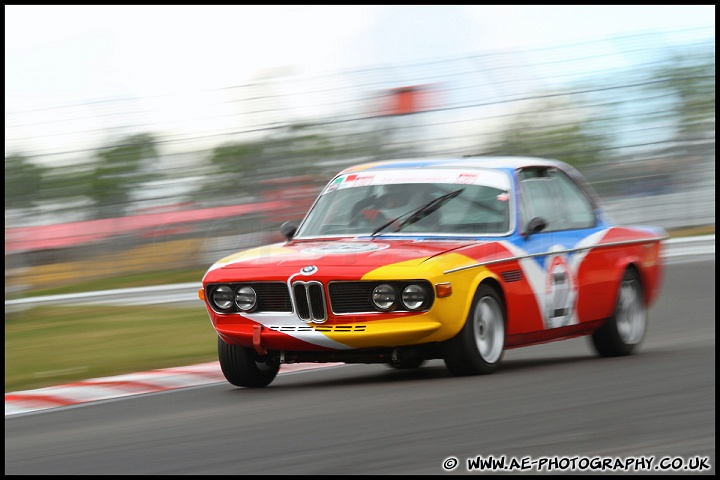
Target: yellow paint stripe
[(408, 331), (444, 319), (257, 252)]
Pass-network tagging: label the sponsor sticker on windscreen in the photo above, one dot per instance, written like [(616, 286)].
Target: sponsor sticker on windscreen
[(489, 178)]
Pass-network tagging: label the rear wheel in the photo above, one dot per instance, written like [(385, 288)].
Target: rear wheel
[(622, 332), (479, 346), (243, 367)]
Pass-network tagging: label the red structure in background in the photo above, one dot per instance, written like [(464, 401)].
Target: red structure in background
[(282, 199), (298, 192), (407, 100), (28, 239)]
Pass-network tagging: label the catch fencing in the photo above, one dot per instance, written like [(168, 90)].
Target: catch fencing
[(620, 114)]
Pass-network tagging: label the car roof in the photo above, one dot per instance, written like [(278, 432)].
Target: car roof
[(493, 162)]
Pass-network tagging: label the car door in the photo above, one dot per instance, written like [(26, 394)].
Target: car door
[(558, 222)]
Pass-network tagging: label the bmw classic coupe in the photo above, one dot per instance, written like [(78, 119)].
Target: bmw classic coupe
[(404, 261)]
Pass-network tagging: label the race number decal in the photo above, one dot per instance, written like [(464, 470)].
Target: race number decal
[(560, 293)]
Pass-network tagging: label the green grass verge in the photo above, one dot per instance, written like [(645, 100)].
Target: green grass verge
[(55, 345)]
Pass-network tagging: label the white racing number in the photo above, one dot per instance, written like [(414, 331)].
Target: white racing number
[(560, 293)]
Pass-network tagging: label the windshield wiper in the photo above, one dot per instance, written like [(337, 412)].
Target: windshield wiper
[(418, 213)]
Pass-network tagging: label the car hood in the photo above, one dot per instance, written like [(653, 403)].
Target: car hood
[(339, 252)]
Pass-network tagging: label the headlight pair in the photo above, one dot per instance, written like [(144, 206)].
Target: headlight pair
[(385, 297), (223, 298)]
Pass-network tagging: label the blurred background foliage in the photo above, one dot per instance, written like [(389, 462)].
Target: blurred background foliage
[(641, 131)]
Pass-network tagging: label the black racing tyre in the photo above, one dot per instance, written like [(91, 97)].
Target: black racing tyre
[(243, 367), (621, 333), (478, 348)]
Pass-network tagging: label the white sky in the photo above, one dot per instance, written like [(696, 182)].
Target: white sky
[(58, 55)]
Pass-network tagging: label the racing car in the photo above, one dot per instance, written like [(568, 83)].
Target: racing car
[(404, 261)]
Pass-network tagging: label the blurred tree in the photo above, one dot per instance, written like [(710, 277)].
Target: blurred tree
[(689, 78), (552, 127), (66, 184), (23, 182), (120, 168), (295, 148), (285, 152), (233, 163)]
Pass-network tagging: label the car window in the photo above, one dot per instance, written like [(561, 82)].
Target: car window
[(540, 200), (550, 194), (362, 204), (577, 207), (481, 209)]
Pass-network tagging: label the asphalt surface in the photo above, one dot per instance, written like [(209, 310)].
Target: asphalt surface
[(551, 406)]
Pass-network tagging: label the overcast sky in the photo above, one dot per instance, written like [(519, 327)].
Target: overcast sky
[(57, 55)]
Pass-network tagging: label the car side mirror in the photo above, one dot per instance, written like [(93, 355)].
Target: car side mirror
[(537, 224), (288, 230)]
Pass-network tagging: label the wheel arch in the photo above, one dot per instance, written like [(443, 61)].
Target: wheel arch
[(495, 284), (632, 266), (474, 283)]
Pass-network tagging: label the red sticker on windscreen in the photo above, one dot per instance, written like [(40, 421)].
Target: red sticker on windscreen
[(468, 178)]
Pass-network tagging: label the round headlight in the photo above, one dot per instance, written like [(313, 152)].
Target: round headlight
[(245, 298), (413, 297), (222, 297), (383, 296)]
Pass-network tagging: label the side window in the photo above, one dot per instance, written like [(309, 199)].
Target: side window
[(577, 209), (552, 195), (540, 200)]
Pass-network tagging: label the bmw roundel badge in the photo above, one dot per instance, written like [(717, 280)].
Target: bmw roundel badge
[(309, 270)]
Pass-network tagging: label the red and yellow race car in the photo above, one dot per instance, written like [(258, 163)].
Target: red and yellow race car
[(459, 259)]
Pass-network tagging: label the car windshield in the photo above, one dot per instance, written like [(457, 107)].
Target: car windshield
[(411, 203)]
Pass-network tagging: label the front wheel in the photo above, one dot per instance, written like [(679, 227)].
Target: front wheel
[(479, 346), (622, 332), (243, 367)]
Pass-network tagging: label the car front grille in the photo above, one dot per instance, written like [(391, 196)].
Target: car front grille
[(356, 297), (272, 297), (310, 303), (309, 298)]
